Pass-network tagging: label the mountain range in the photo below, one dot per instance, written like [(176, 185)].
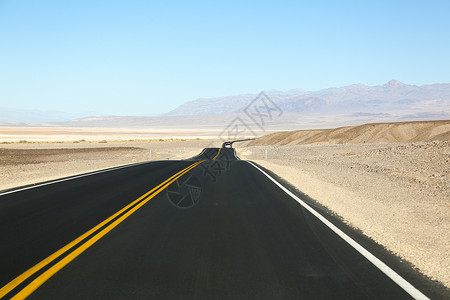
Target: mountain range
[(349, 105), (392, 96)]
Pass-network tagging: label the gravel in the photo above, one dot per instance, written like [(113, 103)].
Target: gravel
[(397, 194)]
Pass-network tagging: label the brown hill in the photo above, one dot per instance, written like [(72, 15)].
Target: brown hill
[(422, 131)]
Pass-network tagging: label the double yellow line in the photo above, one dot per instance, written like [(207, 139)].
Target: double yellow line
[(217, 154), (135, 205)]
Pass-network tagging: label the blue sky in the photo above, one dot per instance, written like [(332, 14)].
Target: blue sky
[(147, 57)]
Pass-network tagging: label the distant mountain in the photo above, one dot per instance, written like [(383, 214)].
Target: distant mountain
[(349, 105), (28, 115), (392, 96)]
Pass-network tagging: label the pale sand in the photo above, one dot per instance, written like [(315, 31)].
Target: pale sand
[(401, 132), (397, 194), (30, 163), (96, 134)]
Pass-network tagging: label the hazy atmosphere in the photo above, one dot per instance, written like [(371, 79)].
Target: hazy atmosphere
[(88, 58), (224, 149)]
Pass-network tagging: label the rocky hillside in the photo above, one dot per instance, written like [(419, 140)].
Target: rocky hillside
[(369, 133)]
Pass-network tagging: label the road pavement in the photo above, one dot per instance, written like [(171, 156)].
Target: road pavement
[(211, 227)]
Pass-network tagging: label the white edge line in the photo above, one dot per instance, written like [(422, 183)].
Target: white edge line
[(71, 177), (234, 153), (408, 287)]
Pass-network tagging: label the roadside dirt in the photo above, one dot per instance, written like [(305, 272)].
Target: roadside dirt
[(401, 132), (397, 194), (12, 157), (30, 163)]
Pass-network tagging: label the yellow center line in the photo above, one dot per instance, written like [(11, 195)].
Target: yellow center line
[(28, 290), (217, 154)]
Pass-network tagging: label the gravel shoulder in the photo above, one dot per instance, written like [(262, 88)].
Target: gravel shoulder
[(30, 163), (397, 194)]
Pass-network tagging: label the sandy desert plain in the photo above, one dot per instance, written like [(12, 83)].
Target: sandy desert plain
[(391, 181)]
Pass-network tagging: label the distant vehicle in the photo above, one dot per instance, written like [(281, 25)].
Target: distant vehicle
[(227, 145)]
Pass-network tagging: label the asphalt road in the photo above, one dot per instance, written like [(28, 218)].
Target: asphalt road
[(221, 230)]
